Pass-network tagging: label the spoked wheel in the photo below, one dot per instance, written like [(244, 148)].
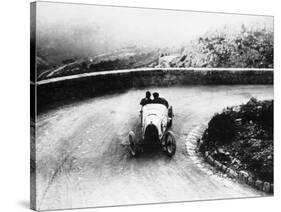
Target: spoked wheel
[(132, 143), (169, 143)]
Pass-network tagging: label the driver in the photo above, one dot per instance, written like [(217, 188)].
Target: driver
[(160, 100), (147, 99)]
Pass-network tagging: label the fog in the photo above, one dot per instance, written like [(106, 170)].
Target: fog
[(95, 29)]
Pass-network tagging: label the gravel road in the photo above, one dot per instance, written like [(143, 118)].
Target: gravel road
[(81, 161)]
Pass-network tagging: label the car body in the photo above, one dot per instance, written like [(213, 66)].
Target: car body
[(156, 122)]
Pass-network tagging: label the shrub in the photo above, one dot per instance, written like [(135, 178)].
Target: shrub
[(258, 111), (247, 48), (249, 140), (267, 114), (221, 128)]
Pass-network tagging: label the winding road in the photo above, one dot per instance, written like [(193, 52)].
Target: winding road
[(81, 161)]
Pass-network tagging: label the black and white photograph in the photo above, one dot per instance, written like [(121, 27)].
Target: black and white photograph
[(136, 105)]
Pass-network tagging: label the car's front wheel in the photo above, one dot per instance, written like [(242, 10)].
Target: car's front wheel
[(169, 143), (170, 116)]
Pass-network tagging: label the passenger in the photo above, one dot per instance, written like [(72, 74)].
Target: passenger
[(147, 99), (160, 100)]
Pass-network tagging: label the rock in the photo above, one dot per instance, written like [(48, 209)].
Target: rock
[(243, 176), (238, 122), (210, 159), (269, 157), (244, 173), (223, 168), (217, 164), (232, 173), (259, 184), (238, 162), (206, 154), (251, 181), (266, 187), (236, 108), (221, 151)]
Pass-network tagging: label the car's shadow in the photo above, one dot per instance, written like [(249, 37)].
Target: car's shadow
[(152, 152)]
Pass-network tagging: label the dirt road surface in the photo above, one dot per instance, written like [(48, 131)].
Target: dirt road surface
[(81, 162)]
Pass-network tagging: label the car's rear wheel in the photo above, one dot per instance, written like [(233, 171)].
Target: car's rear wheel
[(132, 143), (170, 143)]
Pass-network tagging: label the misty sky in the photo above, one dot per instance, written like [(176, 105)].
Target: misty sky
[(117, 25)]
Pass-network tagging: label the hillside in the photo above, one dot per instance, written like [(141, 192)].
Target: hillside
[(125, 58), (243, 48), (246, 48)]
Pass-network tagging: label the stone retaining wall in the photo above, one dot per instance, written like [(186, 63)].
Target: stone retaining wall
[(64, 89), (242, 176)]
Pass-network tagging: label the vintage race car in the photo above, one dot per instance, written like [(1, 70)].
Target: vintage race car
[(156, 122)]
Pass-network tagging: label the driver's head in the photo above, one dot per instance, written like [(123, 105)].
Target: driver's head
[(148, 94), (155, 95)]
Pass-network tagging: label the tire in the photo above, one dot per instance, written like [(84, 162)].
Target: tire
[(170, 143), (170, 123), (170, 112), (132, 143), (170, 116)]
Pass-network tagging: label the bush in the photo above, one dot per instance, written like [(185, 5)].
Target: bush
[(258, 111), (267, 114), (221, 128), (246, 134), (246, 48)]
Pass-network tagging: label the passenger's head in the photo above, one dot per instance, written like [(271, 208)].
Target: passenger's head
[(155, 95), (147, 94)]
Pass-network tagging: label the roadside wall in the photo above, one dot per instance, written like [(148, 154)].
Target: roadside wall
[(66, 89)]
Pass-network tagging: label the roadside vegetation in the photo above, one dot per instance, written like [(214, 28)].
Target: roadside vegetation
[(249, 47), (241, 137), (134, 59)]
